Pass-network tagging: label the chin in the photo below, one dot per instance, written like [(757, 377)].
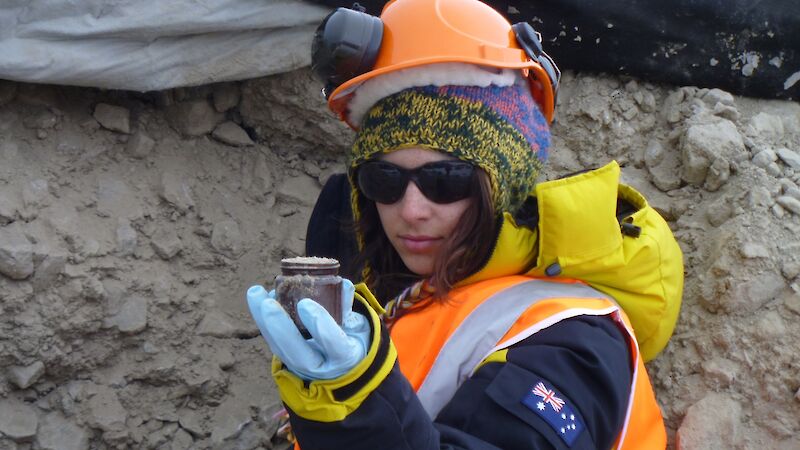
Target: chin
[(422, 266)]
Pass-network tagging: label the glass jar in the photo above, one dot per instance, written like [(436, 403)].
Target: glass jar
[(309, 277)]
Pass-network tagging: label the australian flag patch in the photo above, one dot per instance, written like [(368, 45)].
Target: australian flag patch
[(555, 409)]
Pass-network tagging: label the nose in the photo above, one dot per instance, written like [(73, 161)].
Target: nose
[(414, 206)]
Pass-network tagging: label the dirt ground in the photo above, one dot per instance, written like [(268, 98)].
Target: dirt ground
[(131, 225)]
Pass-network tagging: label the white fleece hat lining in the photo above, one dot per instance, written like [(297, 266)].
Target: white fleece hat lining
[(440, 74)]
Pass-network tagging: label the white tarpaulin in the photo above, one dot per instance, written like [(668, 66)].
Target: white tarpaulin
[(153, 44)]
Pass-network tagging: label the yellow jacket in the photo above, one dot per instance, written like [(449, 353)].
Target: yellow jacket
[(580, 237)]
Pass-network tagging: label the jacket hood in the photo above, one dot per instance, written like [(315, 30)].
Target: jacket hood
[(575, 221), (593, 229)]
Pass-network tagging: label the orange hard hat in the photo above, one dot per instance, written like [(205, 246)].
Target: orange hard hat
[(420, 32)]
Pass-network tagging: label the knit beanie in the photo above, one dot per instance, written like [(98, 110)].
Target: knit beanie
[(482, 117)]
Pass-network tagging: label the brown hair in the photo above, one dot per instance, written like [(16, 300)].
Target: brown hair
[(464, 252)]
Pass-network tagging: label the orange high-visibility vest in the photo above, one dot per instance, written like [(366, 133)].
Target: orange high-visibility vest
[(440, 345)]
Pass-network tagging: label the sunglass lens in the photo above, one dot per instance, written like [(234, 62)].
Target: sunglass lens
[(446, 182), (381, 182)]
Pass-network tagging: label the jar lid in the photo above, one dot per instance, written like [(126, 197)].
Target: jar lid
[(309, 263)]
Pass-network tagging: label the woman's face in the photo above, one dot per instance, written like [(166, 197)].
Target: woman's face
[(416, 226)]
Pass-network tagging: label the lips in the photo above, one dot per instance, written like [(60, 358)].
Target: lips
[(419, 244)]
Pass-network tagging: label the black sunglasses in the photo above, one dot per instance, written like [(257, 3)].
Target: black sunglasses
[(440, 182)]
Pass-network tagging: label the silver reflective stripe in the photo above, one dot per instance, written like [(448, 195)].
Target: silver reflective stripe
[(481, 331)]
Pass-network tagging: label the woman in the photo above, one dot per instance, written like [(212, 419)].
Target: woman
[(489, 341)]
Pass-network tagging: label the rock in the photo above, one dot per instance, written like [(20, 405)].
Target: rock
[(8, 89), (219, 324), (791, 269), (193, 118), (18, 421), (778, 211), (714, 96), (194, 422), (713, 422), (759, 196), (126, 238), (727, 111), (105, 410), (225, 96), (774, 169), (768, 125), (140, 145), (16, 253), (115, 199), (750, 295), (752, 250), (176, 192), (791, 158), (764, 158), (792, 302), (181, 441), (252, 436), (9, 205), (40, 119), (718, 175), (647, 101), (206, 377), (790, 203), (63, 219), (114, 118), (57, 433), (301, 188), (24, 376), (770, 327), (719, 211), (161, 436), (132, 316), (673, 105), (229, 419), (703, 144), (232, 134), (720, 370), (792, 191), (653, 154), (226, 238), (166, 243), (93, 289), (49, 270), (35, 194), (786, 184), (224, 358)]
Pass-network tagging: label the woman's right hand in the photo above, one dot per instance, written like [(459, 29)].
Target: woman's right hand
[(332, 351)]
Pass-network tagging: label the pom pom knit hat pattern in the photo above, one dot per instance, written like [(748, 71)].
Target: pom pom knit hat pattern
[(498, 128)]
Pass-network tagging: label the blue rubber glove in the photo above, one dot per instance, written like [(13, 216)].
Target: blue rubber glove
[(332, 350)]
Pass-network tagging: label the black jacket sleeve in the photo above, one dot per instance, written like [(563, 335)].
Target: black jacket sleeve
[(586, 359)]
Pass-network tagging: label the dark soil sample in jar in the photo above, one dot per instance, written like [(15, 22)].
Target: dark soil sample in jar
[(309, 277)]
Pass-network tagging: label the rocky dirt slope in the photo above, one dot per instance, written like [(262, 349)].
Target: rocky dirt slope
[(131, 224)]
